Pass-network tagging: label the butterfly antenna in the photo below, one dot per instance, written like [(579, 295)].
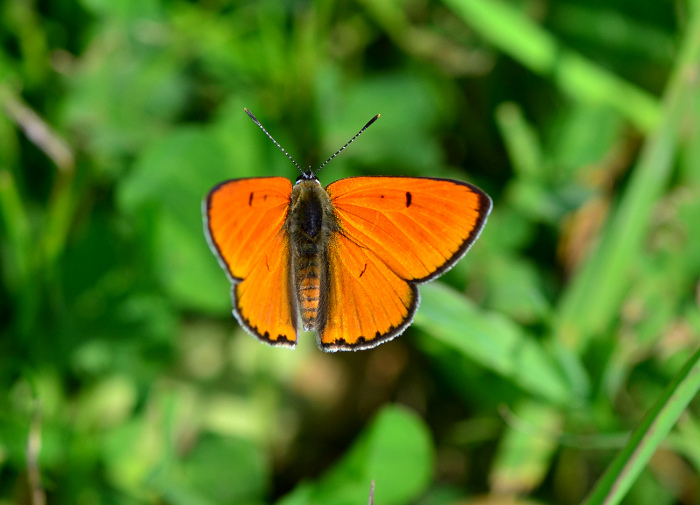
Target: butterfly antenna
[(277, 143), (348, 142)]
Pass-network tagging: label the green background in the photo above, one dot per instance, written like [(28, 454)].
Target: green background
[(530, 366)]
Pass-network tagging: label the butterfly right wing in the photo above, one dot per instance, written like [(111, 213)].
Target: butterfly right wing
[(393, 233), (245, 227)]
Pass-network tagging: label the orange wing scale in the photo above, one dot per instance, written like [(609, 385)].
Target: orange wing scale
[(245, 227), (394, 232)]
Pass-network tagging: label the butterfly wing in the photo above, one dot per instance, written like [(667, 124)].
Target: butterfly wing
[(244, 223), (393, 232)]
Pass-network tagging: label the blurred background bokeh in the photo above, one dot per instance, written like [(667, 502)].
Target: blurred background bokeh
[(125, 380)]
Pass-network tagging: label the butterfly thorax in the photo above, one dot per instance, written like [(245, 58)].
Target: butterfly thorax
[(310, 223)]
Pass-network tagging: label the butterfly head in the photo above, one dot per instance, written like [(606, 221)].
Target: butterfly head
[(307, 176)]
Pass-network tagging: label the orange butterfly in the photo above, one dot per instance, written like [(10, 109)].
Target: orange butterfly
[(344, 260)]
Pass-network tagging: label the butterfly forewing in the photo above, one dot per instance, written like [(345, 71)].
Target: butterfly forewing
[(245, 227)]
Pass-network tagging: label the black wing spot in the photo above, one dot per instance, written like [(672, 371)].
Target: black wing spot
[(363, 271), (267, 264), (408, 198), (250, 199)]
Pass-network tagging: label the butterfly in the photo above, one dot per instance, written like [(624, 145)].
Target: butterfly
[(343, 261)]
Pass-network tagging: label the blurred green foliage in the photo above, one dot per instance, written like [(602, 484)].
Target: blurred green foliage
[(126, 380)]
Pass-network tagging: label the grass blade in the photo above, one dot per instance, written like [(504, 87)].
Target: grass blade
[(628, 464), (594, 296), (535, 48)]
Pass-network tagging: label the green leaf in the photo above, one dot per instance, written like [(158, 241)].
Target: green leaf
[(491, 340), (222, 470), (395, 451), (526, 449), (171, 179)]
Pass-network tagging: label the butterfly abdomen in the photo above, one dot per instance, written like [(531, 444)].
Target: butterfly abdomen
[(309, 224), (309, 289)]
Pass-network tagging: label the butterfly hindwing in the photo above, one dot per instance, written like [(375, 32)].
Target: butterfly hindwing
[(395, 232), (368, 302), (244, 222)]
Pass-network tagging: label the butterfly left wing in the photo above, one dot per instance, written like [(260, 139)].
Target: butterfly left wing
[(393, 232), (244, 223)]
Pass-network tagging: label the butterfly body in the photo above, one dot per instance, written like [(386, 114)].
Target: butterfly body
[(343, 261), (309, 225)]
